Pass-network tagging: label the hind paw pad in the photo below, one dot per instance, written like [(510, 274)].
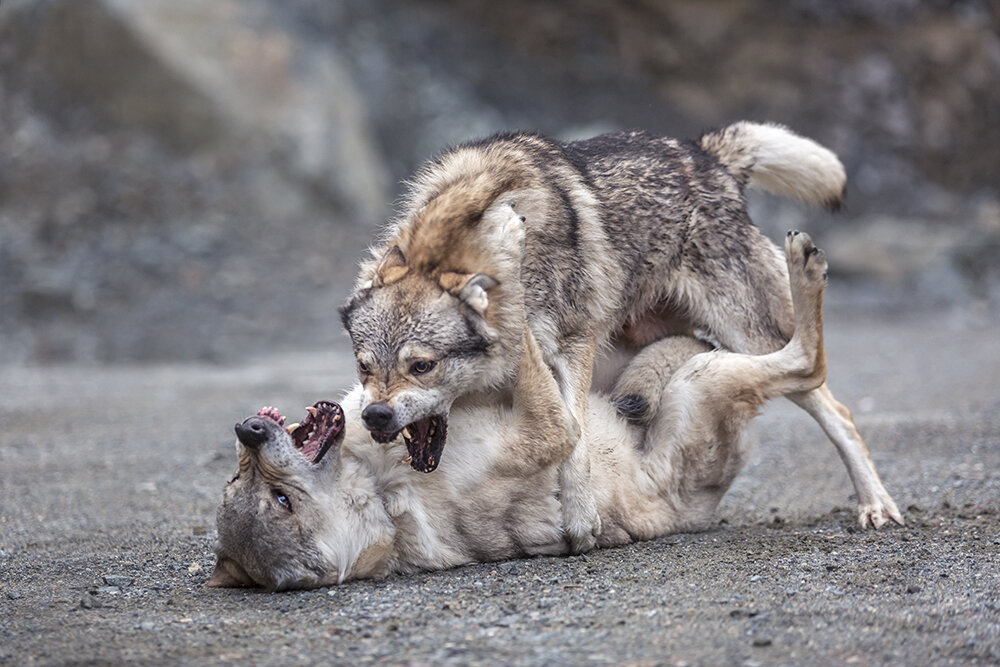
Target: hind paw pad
[(805, 256)]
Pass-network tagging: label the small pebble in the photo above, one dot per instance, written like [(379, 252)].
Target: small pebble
[(13, 595), (118, 580), (194, 568), (761, 641)]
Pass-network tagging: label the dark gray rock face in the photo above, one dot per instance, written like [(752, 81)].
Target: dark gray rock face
[(181, 179)]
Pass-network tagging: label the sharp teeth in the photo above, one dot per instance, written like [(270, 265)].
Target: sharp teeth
[(291, 428), (312, 411), (407, 460), (406, 433), (432, 429)]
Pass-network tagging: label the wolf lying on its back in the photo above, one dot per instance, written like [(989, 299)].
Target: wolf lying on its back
[(624, 233), (327, 504)]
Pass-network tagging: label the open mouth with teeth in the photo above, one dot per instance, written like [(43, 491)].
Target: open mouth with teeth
[(318, 431), (424, 440)]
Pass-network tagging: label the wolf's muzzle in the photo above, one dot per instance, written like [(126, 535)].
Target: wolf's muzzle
[(252, 433), (377, 416)]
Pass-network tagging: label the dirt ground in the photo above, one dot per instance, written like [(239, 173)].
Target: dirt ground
[(109, 479)]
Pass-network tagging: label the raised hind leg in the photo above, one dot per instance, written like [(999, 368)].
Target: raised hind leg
[(696, 402), (875, 505), (754, 315)]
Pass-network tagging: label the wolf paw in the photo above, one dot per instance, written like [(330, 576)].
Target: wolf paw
[(805, 259), (583, 538), (878, 513), (581, 522)]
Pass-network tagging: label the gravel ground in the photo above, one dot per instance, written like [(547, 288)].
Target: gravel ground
[(109, 478)]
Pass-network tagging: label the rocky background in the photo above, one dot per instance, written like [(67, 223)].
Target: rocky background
[(195, 180)]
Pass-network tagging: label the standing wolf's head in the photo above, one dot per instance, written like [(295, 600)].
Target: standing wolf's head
[(439, 316), (295, 516), (421, 341)]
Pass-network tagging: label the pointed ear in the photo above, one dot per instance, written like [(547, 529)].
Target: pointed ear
[(470, 288), (391, 267), (228, 574)]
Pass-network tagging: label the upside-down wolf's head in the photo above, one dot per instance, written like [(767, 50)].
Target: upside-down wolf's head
[(435, 320), (293, 516)]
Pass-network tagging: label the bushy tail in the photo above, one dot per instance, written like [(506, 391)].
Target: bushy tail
[(775, 159)]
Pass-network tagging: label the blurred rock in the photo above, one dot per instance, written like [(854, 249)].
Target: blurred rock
[(170, 172), (213, 77), (274, 86), (93, 54)]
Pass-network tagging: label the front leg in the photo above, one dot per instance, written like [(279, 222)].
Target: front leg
[(573, 367), (545, 431), (552, 410)]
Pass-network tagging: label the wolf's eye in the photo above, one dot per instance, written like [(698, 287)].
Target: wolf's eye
[(421, 367), (235, 477), (363, 368), (282, 499)]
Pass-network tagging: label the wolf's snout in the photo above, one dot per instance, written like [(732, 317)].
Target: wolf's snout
[(252, 433), (377, 416)]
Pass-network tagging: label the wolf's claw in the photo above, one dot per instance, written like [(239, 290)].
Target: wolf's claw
[(878, 514)]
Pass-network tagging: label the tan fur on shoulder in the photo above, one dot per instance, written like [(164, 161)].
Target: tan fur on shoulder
[(442, 235)]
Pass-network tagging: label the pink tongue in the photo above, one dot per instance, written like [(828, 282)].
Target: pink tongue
[(271, 413), (309, 449)]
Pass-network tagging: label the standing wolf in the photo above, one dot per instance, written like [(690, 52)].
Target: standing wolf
[(623, 235)]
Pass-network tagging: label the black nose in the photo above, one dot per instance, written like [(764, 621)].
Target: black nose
[(252, 433), (377, 416)]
